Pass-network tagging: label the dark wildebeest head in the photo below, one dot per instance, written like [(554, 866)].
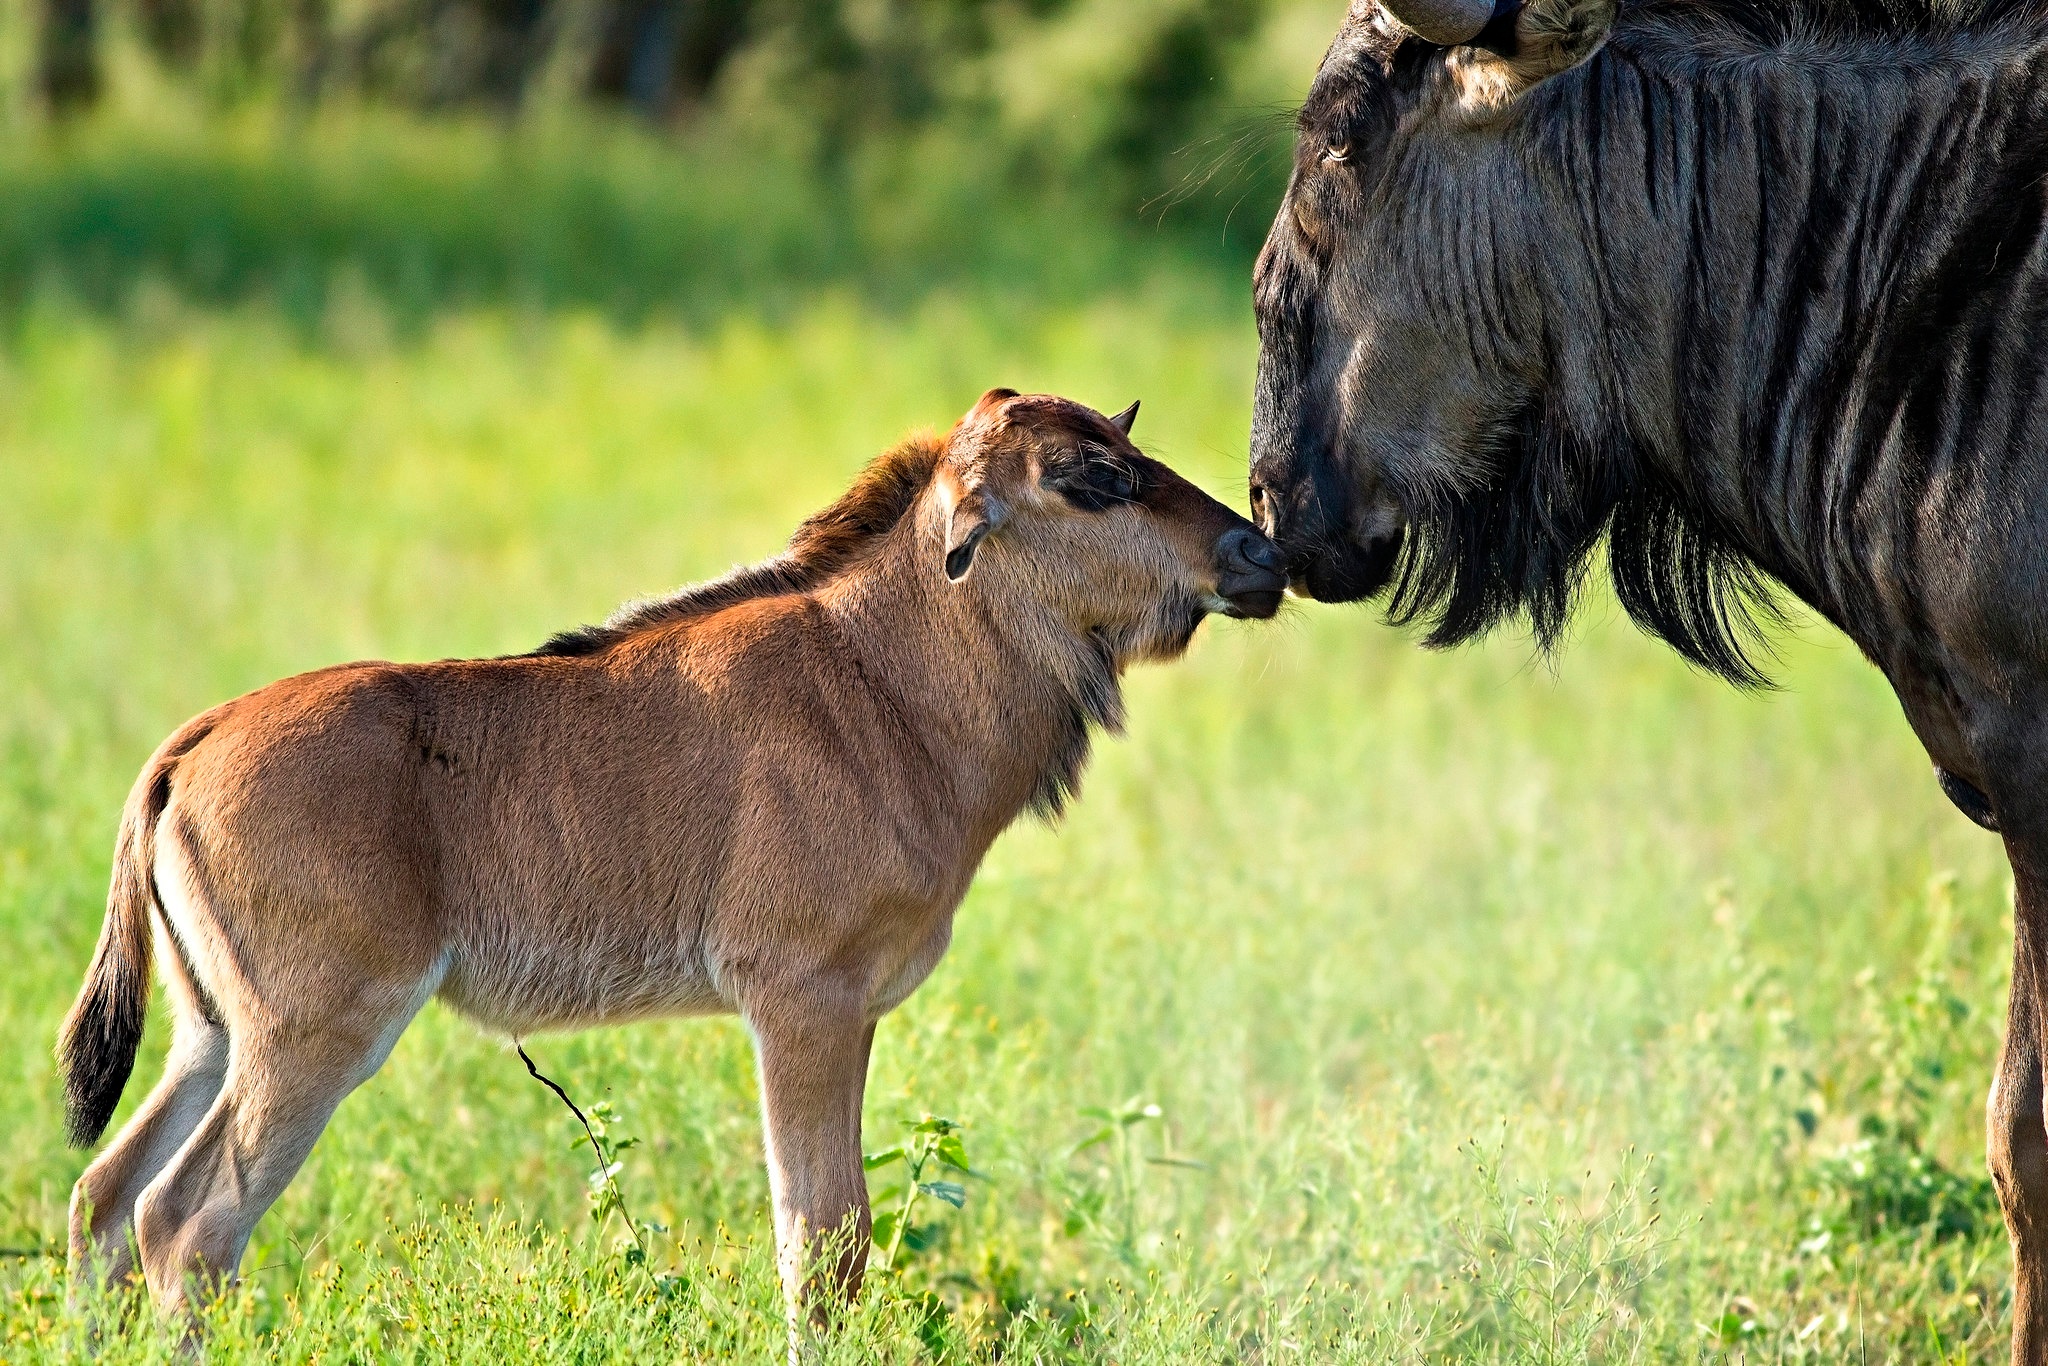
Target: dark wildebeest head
[(1725, 284), (1439, 405)]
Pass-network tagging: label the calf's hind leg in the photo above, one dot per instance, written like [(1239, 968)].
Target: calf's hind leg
[(282, 1085), (103, 1201)]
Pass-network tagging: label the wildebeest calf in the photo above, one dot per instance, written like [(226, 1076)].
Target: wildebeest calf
[(766, 794)]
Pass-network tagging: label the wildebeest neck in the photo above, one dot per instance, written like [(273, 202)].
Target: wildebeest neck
[(1790, 297)]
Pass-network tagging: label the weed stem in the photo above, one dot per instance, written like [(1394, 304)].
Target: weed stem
[(603, 1164)]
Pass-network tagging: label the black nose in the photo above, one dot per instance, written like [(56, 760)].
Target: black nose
[(1251, 573), (1244, 551)]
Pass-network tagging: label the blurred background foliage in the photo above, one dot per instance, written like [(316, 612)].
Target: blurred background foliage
[(637, 155)]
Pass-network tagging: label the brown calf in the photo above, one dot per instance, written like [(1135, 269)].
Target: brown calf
[(766, 794)]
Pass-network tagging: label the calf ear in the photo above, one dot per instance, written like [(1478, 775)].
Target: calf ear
[(967, 526), (994, 398)]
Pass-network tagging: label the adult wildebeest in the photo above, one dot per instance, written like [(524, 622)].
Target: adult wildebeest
[(766, 795), (1754, 292)]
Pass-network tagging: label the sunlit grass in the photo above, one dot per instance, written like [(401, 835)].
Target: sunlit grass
[(1492, 1012)]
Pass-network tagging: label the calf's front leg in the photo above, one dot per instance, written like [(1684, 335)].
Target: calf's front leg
[(813, 1061)]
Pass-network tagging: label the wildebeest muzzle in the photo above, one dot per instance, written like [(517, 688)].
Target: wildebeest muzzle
[(1328, 557)]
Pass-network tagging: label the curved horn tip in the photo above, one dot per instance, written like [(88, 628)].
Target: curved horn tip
[(1445, 22), (1123, 420)]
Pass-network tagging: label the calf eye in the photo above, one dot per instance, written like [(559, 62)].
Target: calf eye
[(1099, 481), (1337, 149), (1114, 480)]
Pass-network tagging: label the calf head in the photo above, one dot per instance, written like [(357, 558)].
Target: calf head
[(1047, 507)]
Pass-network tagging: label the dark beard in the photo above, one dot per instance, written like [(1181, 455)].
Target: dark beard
[(1520, 542)]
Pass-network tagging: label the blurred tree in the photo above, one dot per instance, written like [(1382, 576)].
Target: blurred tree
[(1182, 71), (172, 30), (513, 44), (311, 53), (68, 66), (662, 55)]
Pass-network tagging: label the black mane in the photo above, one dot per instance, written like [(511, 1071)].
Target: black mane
[(1773, 20)]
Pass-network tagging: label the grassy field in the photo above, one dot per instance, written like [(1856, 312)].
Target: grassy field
[(1371, 1005)]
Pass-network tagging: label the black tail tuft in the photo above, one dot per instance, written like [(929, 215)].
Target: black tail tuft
[(98, 1050)]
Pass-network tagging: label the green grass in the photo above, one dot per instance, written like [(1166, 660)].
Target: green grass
[(1491, 1013)]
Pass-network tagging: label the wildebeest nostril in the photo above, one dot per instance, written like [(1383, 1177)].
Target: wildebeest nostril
[(1262, 508)]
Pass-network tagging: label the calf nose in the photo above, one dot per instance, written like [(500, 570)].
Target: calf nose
[(1244, 551)]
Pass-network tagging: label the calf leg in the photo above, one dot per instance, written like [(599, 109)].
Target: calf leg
[(813, 1064), (103, 1201), (194, 1221), (283, 1083)]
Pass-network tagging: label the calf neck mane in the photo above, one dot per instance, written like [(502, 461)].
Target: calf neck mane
[(825, 544), (1793, 297), (1080, 686)]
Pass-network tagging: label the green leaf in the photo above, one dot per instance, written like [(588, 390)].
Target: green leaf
[(952, 1192), (885, 1226), (870, 1161), (952, 1151), (1102, 1135)]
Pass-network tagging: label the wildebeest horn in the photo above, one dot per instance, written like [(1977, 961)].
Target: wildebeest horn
[(1449, 22), (1123, 420)]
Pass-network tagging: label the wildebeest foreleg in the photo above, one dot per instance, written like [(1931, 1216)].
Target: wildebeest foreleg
[(2016, 1139), (813, 1062)]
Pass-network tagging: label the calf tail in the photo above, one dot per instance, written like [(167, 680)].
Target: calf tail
[(97, 1047)]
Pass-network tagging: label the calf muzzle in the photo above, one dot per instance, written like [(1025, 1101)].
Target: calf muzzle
[(1251, 573)]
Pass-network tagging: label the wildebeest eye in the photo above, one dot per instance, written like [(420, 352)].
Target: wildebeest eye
[(1099, 479), (1337, 149)]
